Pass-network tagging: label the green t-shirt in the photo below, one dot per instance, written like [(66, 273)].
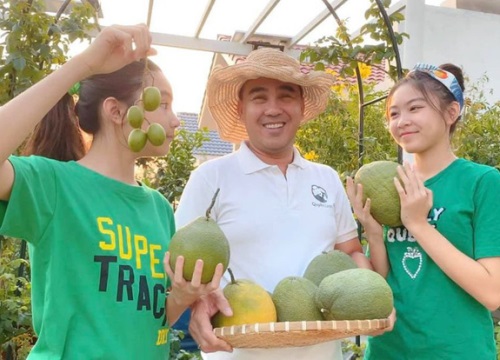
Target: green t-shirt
[(96, 247), (436, 319)]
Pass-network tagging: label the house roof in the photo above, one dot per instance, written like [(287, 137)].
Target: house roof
[(214, 146)]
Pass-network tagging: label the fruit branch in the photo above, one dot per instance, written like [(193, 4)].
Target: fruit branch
[(207, 214), (231, 275), (148, 23)]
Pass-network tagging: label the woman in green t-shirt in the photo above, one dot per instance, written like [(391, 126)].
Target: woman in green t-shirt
[(443, 264), (96, 236)]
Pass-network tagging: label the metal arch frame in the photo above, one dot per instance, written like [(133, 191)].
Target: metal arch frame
[(241, 46), (361, 100), (399, 68)]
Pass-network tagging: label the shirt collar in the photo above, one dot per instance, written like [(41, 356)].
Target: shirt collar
[(251, 163)]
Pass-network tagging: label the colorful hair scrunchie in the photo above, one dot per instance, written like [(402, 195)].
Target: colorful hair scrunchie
[(444, 77)]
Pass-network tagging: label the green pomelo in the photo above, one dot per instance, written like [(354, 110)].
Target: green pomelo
[(156, 134), (294, 298), (135, 116), (200, 239), (327, 263), (355, 294), (250, 303), (377, 179), (137, 140), (151, 98)]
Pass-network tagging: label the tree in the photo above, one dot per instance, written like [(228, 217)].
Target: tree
[(371, 46), (477, 136), (374, 46), (169, 174), (35, 42), (332, 138), (16, 334)]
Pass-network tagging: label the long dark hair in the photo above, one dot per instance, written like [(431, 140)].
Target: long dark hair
[(59, 135), (428, 87)]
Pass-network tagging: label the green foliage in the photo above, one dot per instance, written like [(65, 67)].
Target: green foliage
[(497, 339), (335, 138), (477, 137), (176, 353), (356, 351), (34, 42), (332, 139), (15, 300), (169, 174), (372, 45)]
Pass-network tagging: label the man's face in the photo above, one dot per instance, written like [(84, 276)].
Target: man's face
[(271, 111)]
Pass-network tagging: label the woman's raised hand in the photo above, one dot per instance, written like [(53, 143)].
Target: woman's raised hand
[(116, 46), (416, 199)]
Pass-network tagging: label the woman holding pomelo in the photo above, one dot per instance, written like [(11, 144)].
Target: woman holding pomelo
[(443, 264), (96, 236)]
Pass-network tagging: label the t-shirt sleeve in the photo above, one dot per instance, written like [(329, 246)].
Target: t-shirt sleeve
[(195, 199), (32, 201), (346, 225), (486, 222)]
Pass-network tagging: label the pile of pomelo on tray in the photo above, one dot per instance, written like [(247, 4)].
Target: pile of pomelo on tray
[(332, 288)]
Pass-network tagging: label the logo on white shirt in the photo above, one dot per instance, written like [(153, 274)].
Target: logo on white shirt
[(319, 193)]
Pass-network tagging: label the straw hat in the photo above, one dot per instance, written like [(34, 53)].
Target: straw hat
[(225, 83)]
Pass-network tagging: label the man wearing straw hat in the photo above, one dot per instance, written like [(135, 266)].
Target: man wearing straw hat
[(277, 209)]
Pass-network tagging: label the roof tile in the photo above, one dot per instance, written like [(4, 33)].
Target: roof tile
[(214, 146)]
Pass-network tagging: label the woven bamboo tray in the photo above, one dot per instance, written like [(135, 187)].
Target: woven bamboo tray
[(296, 333)]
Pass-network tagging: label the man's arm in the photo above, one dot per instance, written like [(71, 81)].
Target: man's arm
[(354, 249)]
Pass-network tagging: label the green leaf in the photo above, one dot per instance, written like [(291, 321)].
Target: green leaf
[(319, 66), (19, 63), (397, 17)]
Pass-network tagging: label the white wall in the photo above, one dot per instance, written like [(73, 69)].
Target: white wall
[(469, 39)]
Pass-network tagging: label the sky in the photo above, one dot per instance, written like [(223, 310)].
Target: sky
[(188, 70)]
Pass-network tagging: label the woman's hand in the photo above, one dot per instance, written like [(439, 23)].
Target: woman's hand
[(362, 211), (116, 46), (416, 199), (184, 292)]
